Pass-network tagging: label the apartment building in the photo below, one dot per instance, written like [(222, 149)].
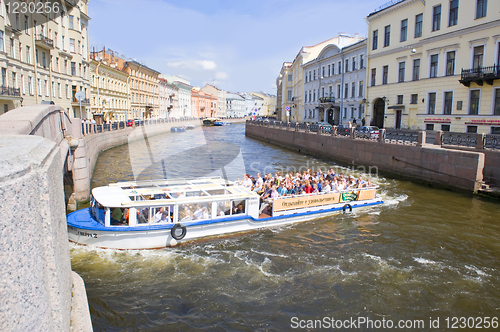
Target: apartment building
[(169, 99), (284, 85), (434, 65), (221, 98), (44, 57), (334, 84), (293, 91), (143, 82), (269, 103), (235, 105), (203, 105), (184, 97), (109, 92)]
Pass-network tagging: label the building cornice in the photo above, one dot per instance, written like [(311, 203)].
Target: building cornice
[(382, 12)]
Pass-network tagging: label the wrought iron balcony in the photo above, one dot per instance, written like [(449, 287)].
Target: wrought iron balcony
[(479, 75), (85, 101), (41, 40), (327, 100), (11, 92)]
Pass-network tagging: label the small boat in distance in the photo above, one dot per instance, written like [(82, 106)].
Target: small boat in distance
[(218, 123), (210, 121), (178, 129), (189, 126), (162, 213)]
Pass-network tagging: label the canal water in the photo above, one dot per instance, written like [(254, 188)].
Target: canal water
[(423, 255)]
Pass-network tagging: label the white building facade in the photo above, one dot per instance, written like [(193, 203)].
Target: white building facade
[(334, 85), (235, 105)]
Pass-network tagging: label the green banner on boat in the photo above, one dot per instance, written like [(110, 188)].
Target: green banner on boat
[(350, 196)]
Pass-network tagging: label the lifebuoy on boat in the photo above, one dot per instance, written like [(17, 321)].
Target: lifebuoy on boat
[(178, 231), (347, 206)]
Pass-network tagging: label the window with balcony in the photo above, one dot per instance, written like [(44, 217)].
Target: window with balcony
[(404, 30), (474, 102), (450, 63), (431, 106), (453, 19), (418, 25), (436, 18), (387, 36), (385, 74), (477, 61), (448, 102), (434, 65), (481, 8), (401, 72), (375, 40), (374, 74)]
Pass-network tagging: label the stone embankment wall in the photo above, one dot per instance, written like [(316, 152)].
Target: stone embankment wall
[(424, 163)]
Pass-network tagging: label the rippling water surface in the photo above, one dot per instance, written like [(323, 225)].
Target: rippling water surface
[(425, 253)]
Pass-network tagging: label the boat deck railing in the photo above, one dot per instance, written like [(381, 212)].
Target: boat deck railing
[(331, 192)]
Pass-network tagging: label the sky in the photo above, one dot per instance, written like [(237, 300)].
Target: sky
[(236, 45)]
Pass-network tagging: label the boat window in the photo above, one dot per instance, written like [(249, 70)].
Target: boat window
[(97, 210), (238, 206), (161, 214), (119, 216), (223, 208), (217, 192), (199, 211)]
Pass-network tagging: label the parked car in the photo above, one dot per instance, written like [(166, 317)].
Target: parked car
[(371, 130), (326, 126), (130, 123)]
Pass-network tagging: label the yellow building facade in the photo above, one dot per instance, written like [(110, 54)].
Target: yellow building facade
[(44, 56), (109, 92), (433, 65)]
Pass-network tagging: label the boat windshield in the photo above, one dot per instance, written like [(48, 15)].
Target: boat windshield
[(96, 210)]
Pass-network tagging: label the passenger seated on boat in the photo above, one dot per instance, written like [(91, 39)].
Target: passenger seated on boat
[(198, 214), (165, 217), (158, 214), (205, 213), (267, 193), (238, 209), (282, 190), (258, 184), (246, 182), (360, 183), (315, 189), (308, 188), (141, 218), (326, 187)]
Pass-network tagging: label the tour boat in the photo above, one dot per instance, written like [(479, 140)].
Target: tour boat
[(190, 126), (210, 121), (177, 129), (162, 213)]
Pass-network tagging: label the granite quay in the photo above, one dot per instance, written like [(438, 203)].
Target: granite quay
[(447, 162)]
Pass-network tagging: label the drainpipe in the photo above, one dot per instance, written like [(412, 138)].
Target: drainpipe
[(342, 84), (34, 60)]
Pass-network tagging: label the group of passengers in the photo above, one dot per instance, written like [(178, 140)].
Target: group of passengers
[(306, 182)]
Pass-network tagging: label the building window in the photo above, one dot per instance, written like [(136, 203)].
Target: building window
[(431, 107), (496, 111), (401, 73), (338, 91), (495, 130), (361, 87), (416, 70), (26, 25), (472, 129), (1, 41), (418, 25), (404, 30), (361, 63), (70, 21), (73, 69), (434, 65), (289, 95), (374, 74), (414, 98), (314, 74), (474, 102), (353, 63), (72, 45), (400, 99), (481, 8), (4, 77), (429, 126), (329, 70), (385, 73), (346, 90), (436, 18), (478, 57), (346, 66), (453, 13), (375, 40), (450, 63), (445, 127), (387, 36), (28, 54), (333, 69), (353, 89), (448, 102)]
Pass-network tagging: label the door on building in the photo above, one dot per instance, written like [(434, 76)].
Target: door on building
[(379, 113), (336, 116), (399, 114), (330, 116)]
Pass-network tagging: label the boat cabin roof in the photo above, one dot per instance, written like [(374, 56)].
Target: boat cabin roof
[(167, 192)]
